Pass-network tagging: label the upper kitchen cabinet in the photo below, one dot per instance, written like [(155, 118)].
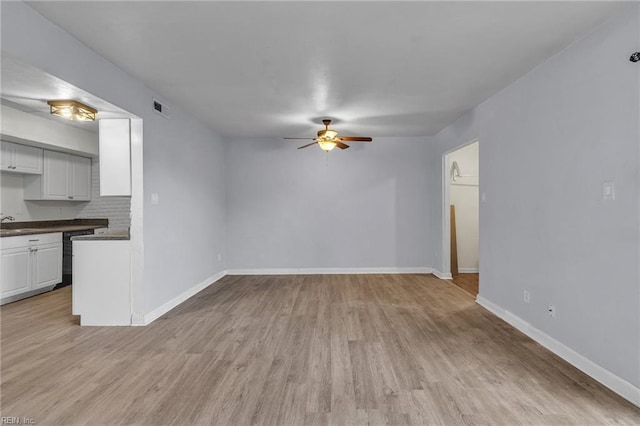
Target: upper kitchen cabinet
[(115, 157), (64, 177), (17, 158)]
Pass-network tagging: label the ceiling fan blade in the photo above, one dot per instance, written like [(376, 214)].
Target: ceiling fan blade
[(342, 145), (311, 139), (309, 144), (356, 138)]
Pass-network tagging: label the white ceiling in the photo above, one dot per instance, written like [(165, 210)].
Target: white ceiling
[(376, 68), (26, 88)]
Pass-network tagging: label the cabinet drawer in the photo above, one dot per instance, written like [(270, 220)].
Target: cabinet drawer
[(30, 240)]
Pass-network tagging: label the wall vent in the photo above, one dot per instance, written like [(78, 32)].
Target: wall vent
[(160, 108)]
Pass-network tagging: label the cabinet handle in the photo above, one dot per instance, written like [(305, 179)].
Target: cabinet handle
[(70, 197), (32, 241)]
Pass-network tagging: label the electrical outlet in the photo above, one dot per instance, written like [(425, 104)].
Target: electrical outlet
[(154, 198), (552, 311), (219, 257), (608, 191), (526, 296)]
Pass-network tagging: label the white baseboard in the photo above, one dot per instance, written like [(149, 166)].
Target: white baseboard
[(442, 275), (321, 271), (138, 319), (602, 375), (468, 270)]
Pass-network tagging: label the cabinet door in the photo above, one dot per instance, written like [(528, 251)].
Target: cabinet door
[(56, 176), (27, 159), (115, 157), (47, 268), (80, 178), (16, 271), (6, 156)]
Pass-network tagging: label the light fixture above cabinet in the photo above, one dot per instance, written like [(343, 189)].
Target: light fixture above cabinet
[(72, 110)]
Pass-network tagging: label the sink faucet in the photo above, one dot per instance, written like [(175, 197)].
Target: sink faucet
[(7, 218)]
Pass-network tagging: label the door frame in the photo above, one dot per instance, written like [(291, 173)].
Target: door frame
[(445, 274)]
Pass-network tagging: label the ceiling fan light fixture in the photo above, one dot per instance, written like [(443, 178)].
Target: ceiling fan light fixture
[(72, 110), (327, 134), (328, 139), (327, 145)]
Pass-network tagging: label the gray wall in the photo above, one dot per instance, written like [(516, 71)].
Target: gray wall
[(547, 143), (183, 159), (286, 208)]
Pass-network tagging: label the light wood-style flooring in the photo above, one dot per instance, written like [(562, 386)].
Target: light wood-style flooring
[(467, 282), (292, 350)]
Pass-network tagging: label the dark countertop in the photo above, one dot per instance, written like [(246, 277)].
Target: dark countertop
[(13, 229), (115, 235)]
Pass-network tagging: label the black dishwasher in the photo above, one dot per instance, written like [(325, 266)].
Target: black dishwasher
[(67, 255)]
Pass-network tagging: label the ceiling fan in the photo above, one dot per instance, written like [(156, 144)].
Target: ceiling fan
[(329, 139)]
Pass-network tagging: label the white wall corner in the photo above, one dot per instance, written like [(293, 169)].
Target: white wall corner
[(149, 317), (329, 271), (442, 275), (137, 319), (602, 375)]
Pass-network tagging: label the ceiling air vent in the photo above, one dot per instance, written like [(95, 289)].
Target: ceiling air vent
[(161, 109)]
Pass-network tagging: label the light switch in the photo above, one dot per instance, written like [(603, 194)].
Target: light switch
[(608, 191), (154, 198)]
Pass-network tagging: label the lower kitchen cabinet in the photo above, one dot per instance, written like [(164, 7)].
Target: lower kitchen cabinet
[(30, 264), (16, 271)]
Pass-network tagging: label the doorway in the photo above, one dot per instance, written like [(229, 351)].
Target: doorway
[(461, 214)]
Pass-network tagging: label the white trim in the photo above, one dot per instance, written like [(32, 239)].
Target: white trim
[(327, 271), (446, 217), (442, 275), (137, 217), (146, 319), (446, 200), (468, 270), (602, 375)]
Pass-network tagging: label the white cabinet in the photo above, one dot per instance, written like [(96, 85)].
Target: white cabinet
[(47, 265), (54, 184), (16, 271), (64, 177), (80, 180), (20, 159), (30, 264), (115, 157)]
